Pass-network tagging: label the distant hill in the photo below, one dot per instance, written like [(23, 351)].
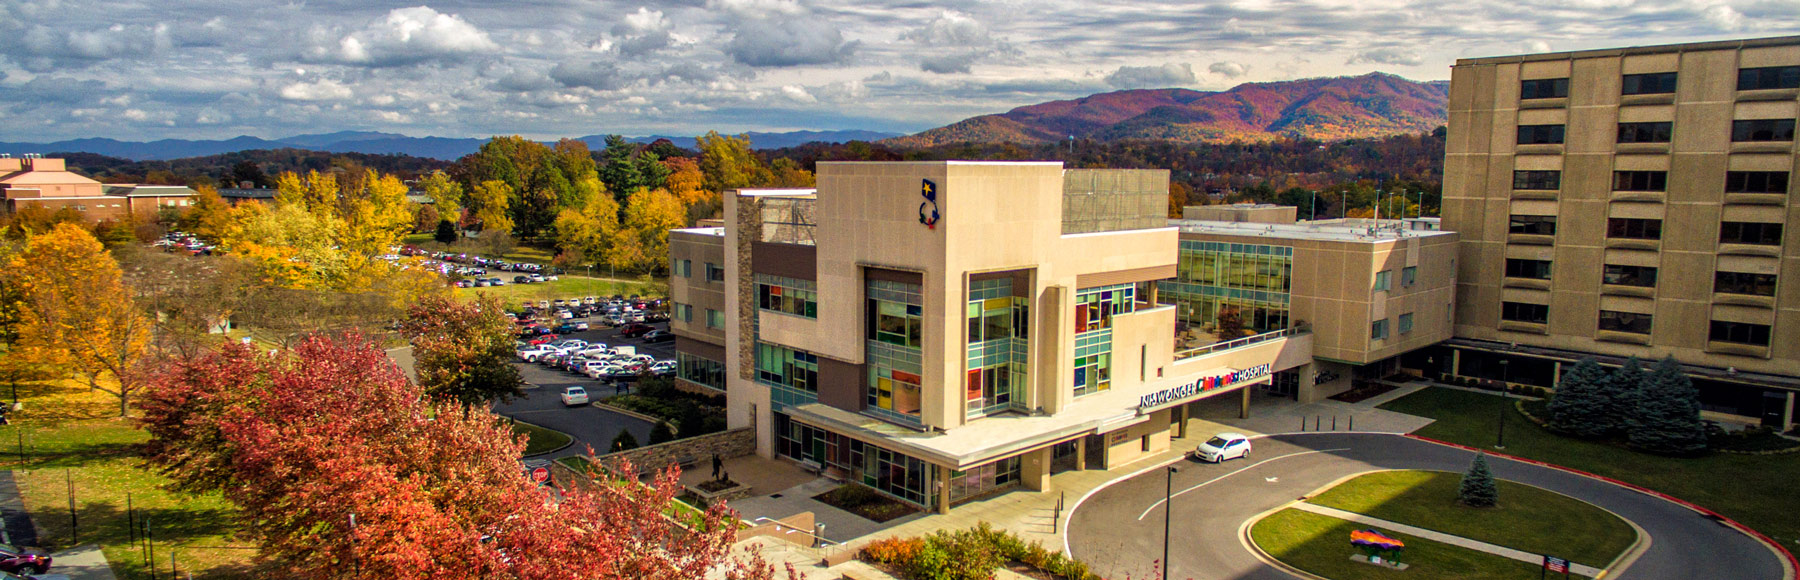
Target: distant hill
[(375, 143), (1372, 105)]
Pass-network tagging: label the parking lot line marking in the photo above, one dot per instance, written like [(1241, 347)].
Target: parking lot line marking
[(1233, 472)]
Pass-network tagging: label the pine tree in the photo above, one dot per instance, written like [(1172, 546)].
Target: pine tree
[(1620, 392), (1478, 487), (625, 440), (661, 433), (1666, 419), (446, 232), (1579, 407)]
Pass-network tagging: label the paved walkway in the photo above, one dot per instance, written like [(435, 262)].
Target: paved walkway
[(15, 523), (82, 563), (1459, 541)]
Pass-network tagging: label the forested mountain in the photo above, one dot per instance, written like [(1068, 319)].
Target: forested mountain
[(370, 142), (1372, 105)]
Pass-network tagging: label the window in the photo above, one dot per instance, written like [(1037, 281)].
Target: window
[(787, 295), (1093, 373), (1095, 307), (1550, 180), (700, 370), (1752, 130), (1633, 228), (1381, 280), (896, 323), (682, 312), (1640, 181), (687, 268), (1653, 132), (1640, 276), (1543, 89), (1773, 77), (1631, 322), (1740, 333), (1525, 312), (1537, 225), (1534, 269), (1540, 134), (1648, 84), (1762, 234), (1406, 323), (1756, 182), (1744, 283), (1378, 329), (714, 273), (1409, 276), (778, 365), (715, 318)]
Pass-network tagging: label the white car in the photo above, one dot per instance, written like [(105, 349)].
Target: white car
[(534, 353), (574, 396), (1224, 446), (663, 368)]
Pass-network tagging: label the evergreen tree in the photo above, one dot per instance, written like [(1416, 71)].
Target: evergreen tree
[(1666, 419), (1620, 391), (1579, 408), (625, 440), (446, 232), (1478, 488), (661, 433)]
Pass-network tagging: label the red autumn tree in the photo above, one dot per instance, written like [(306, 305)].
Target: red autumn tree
[(307, 441)]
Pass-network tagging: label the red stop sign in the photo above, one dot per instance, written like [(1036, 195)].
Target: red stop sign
[(540, 475)]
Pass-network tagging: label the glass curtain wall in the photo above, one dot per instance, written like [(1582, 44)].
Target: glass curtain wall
[(895, 474), (1224, 291), (998, 347), (1094, 309), (894, 352)]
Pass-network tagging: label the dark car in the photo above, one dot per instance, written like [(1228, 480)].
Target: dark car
[(635, 329), (658, 336), (567, 328), (24, 560), (656, 316)]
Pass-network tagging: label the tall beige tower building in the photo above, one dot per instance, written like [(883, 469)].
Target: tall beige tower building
[(1630, 202)]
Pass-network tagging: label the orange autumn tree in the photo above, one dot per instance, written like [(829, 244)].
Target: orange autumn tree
[(75, 312), (339, 464)]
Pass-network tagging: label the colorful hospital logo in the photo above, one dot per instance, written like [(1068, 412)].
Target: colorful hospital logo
[(928, 209)]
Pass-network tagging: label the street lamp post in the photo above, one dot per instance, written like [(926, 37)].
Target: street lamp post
[(1168, 509), (1500, 439), (1314, 214)]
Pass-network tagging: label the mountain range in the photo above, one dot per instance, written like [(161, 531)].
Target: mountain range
[(445, 148), (1327, 109)]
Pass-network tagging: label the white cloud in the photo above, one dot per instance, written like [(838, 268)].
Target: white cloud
[(1152, 77), (588, 73), (798, 94), (1388, 55), (405, 36), (320, 90), (951, 28), (643, 31), (1724, 17), (1228, 69), (789, 42), (756, 8), (45, 48)]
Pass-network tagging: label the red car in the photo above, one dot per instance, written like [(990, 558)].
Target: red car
[(548, 338), (635, 329), (21, 560)]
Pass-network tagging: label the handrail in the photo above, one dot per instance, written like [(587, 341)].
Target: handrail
[(778, 524), (1235, 343)]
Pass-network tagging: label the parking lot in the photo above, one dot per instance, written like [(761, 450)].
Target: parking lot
[(588, 424)]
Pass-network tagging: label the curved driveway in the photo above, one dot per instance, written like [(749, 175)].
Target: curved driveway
[(1119, 529)]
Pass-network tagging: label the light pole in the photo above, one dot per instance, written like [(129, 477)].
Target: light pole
[(1168, 508), (1500, 439), (1314, 214)]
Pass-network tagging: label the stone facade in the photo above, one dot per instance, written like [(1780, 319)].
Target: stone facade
[(694, 451)]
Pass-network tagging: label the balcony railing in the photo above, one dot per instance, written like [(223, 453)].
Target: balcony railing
[(1240, 342)]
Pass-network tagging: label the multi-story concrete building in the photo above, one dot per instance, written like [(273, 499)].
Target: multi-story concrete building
[(35, 181), (1630, 202), (944, 331)]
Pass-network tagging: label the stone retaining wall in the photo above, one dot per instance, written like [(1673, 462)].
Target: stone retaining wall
[(697, 450)]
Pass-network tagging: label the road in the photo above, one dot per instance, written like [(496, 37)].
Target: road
[(589, 425), (1106, 530)]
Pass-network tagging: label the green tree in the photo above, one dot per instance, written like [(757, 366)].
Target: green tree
[(1620, 391), (1578, 408), (463, 350), (446, 232), (1666, 414), (1478, 488), (661, 433), (446, 194), (624, 440)]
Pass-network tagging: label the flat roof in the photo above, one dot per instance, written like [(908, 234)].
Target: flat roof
[(713, 231), (1354, 230), (1651, 49), (792, 192), (943, 162)]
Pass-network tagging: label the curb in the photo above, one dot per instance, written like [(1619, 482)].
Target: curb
[(559, 448), (627, 412), (1268, 560), (1788, 563)]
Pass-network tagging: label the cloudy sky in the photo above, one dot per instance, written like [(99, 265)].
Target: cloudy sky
[(152, 69)]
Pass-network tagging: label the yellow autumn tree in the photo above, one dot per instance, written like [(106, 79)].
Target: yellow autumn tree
[(210, 216), (686, 181), (75, 312), (490, 201), (446, 194), (585, 234), (727, 162), (289, 246), (317, 192), (376, 217), (642, 241)]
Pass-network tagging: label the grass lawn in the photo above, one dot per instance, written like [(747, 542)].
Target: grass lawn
[(71, 434), (1527, 518), (1756, 490), (1321, 545), (564, 287), (541, 440)]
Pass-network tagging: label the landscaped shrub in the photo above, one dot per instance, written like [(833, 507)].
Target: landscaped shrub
[(957, 555), (896, 552), (1478, 488), (1580, 408), (1750, 439), (1666, 416), (969, 554)]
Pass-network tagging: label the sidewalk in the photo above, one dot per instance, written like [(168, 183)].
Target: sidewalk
[(83, 562), (1458, 541)]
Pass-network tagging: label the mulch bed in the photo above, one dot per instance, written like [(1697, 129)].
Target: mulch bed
[(866, 502), (1363, 392)]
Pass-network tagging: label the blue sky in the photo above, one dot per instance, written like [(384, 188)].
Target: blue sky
[(153, 69)]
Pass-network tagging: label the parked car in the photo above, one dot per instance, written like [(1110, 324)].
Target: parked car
[(663, 368), (1223, 446), (533, 353), (543, 339), (573, 396), (521, 280), (635, 330), (24, 560), (658, 336)]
